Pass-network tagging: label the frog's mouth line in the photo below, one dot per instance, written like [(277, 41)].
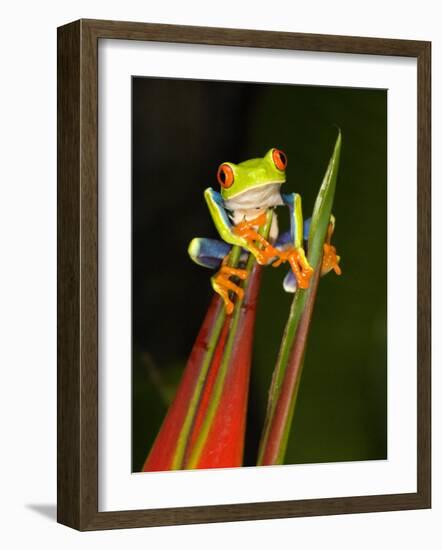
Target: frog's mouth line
[(264, 195)]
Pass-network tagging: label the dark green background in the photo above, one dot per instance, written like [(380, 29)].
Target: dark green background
[(182, 131)]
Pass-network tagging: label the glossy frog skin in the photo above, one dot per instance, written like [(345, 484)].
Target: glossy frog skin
[(239, 179), (248, 191)]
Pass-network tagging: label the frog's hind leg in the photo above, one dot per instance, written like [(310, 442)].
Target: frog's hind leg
[(214, 254), (208, 252), (284, 241)]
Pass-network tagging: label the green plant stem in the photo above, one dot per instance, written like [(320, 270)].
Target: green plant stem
[(284, 391), (286, 377)]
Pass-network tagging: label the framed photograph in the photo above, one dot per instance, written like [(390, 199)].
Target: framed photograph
[(243, 274)]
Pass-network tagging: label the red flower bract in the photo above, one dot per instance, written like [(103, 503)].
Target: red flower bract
[(205, 424)]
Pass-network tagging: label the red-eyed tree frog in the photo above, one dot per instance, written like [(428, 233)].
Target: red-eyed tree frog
[(248, 190)]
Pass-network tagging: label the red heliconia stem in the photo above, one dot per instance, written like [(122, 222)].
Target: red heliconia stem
[(208, 386), (224, 445), (162, 452), (205, 425)]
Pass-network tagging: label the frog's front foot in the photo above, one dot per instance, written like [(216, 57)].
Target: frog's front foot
[(222, 284), (330, 260), (256, 243), (301, 268)]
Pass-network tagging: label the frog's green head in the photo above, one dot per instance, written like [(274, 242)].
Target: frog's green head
[(237, 179)]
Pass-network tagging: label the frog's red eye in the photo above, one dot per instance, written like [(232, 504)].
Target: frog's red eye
[(225, 176), (280, 159)]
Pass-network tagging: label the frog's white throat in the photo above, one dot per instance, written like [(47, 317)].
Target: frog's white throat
[(253, 201)]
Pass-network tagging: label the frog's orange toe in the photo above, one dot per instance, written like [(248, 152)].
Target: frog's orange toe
[(222, 285), (302, 270), (330, 260), (297, 259)]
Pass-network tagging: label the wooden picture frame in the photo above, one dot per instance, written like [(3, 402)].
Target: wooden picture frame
[(78, 274)]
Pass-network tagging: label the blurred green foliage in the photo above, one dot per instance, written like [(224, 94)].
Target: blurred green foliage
[(182, 131)]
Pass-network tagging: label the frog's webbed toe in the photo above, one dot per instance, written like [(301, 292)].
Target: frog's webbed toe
[(330, 260), (222, 284)]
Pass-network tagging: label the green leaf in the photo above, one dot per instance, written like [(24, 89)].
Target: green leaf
[(287, 373)]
